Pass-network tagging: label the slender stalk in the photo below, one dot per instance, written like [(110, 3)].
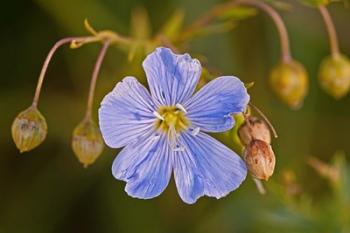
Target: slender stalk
[(281, 28), (333, 40), (265, 119), (209, 16), (94, 77), (46, 64), (259, 186)]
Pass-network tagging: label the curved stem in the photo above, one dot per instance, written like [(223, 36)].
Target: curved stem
[(46, 64), (206, 18), (281, 28), (265, 119), (333, 40), (94, 78)]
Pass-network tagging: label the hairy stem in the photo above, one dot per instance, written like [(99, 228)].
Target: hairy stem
[(94, 78), (209, 16), (330, 29), (46, 64)]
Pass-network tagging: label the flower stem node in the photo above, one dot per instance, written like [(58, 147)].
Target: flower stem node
[(254, 128), (260, 159), (29, 129), (334, 75), (289, 81), (87, 142)]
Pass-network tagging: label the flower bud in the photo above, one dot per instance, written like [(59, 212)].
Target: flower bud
[(334, 75), (260, 159), (29, 129), (87, 142), (254, 128), (290, 83)]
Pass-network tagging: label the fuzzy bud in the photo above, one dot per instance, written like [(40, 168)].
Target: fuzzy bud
[(87, 142), (29, 129), (334, 75), (290, 83), (254, 128), (260, 159)]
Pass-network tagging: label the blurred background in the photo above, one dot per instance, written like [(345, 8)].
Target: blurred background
[(48, 190)]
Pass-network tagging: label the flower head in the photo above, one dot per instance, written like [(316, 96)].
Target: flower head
[(164, 131)]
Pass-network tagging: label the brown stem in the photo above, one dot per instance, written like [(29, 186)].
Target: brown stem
[(46, 64), (330, 29), (281, 28), (94, 78), (206, 18)]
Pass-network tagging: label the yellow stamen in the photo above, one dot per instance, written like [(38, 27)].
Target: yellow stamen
[(174, 119)]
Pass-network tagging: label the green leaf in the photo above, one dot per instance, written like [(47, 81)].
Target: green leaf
[(140, 25), (315, 3), (216, 28), (238, 13), (172, 27)]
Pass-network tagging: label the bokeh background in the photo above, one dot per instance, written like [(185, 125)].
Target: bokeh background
[(47, 190)]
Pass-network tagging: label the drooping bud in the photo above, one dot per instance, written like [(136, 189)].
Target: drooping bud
[(29, 129), (260, 159), (254, 128), (87, 142), (290, 83), (334, 75)]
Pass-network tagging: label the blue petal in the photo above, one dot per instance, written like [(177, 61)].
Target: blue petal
[(145, 166), (172, 78), (206, 167), (126, 113), (210, 108)]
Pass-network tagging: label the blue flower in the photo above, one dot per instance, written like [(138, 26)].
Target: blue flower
[(164, 131)]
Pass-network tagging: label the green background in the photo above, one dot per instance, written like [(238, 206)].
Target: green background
[(47, 190)]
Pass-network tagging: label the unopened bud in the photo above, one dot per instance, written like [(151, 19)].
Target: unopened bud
[(254, 128), (334, 75), (260, 159), (29, 129), (290, 83), (87, 142)]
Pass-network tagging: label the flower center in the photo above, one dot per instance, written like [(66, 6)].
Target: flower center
[(172, 118)]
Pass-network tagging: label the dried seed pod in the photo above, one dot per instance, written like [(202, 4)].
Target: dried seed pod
[(260, 159), (254, 128), (29, 129), (334, 75), (87, 142), (290, 83)]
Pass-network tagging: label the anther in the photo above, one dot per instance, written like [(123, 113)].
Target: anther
[(195, 131), (158, 115), (182, 108), (180, 148)]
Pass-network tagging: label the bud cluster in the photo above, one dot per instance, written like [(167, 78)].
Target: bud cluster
[(258, 153)]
